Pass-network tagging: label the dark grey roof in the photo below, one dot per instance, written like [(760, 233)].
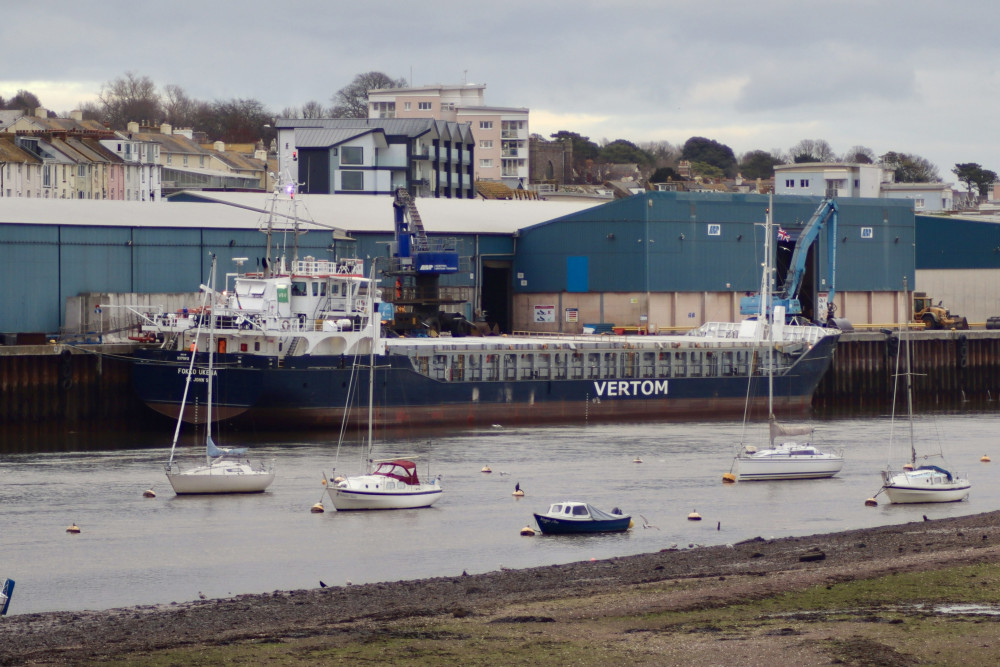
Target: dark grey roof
[(312, 137), (410, 127)]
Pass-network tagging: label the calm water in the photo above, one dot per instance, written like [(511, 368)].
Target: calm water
[(134, 550)]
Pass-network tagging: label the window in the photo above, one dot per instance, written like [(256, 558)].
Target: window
[(486, 125), (486, 143), (790, 183), (352, 180), (486, 163), (424, 106), (804, 183), (384, 109), (46, 175), (351, 155), (406, 105)]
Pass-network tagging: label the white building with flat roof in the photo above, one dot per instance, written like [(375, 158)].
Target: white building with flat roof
[(846, 179)]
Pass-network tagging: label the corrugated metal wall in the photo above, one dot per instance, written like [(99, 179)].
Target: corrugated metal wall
[(693, 242), (43, 265)]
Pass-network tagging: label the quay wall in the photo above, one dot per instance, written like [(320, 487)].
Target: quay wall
[(951, 369), (67, 383)]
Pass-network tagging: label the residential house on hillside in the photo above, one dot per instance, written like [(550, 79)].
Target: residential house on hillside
[(20, 170), (189, 166), (844, 179), (77, 160), (502, 148), (429, 158)]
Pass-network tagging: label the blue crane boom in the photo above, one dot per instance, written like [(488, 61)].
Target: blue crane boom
[(788, 296)]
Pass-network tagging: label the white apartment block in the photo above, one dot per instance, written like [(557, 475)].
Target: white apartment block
[(836, 179), (500, 133)]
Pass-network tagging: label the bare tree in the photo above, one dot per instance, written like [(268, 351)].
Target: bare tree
[(129, 98), (663, 153), (860, 155), (179, 109), (812, 150), (236, 120), (351, 101), (312, 109)]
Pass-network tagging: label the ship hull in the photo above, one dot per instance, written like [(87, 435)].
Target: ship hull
[(313, 392)]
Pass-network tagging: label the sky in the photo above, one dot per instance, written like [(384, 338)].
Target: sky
[(911, 76)]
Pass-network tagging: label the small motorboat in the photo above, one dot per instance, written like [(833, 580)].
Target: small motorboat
[(576, 517)]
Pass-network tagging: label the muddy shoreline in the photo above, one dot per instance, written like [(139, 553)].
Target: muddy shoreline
[(748, 570)]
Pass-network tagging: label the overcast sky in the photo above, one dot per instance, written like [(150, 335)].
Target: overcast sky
[(913, 76)]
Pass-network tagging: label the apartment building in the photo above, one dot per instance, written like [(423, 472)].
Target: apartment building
[(500, 133), (844, 179), (427, 157)]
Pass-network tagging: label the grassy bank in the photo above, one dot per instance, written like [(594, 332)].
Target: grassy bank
[(895, 619)]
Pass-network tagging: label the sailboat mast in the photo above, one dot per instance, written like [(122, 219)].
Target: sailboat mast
[(909, 374), (373, 322), (210, 314), (768, 309)]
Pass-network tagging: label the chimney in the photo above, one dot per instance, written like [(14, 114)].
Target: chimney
[(219, 146), (165, 128), (41, 112), (133, 127), (77, 115)]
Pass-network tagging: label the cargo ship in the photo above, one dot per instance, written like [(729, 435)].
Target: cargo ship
[(292, 344)]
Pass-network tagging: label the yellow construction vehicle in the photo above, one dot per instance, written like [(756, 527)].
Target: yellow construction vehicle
[(935, 317)]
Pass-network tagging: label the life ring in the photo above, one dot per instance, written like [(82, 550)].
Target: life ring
[(284, 325)]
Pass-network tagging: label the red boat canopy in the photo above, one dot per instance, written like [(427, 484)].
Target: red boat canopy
[(401, 469)]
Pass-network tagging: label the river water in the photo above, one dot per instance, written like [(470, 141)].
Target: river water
[(133, 550)]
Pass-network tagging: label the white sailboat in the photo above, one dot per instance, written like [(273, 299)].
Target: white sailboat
[(222, 472), (924, 483), (784, 458), (393, 483)]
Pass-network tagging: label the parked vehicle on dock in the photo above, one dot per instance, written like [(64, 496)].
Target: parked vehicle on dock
[(935, 317)]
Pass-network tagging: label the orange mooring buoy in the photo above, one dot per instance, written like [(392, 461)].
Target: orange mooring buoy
[(528, 531), (694, 516), (317, 508), (728, 478), (985, 458), (73, 529), (871, 502)]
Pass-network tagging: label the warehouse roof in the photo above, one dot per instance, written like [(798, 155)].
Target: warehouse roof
[(243, 210)]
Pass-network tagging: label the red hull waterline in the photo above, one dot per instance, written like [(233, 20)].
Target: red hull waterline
[(504, 414)]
